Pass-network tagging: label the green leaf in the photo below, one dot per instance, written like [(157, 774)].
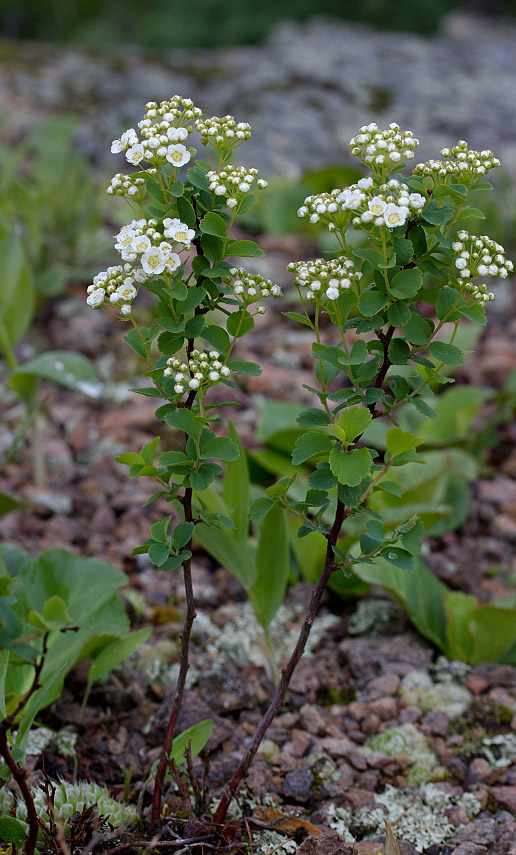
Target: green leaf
[(358, 355), (371, 302), (212, 247), (418, 329), (309, 444), (404, 250), (88, 589), (8, 504), (398, 441), (227, 551), (322, 478), (197, 177), (220, 447), (184, 420), (69, 369), (352, 467), (390, 487), (186, 212), (476, 314), (239, 323), (272, 565), (158, 530), (158, 553), (313, 417), (260, 507), (301, 319), (447, 353), (235, 489), (182, 535), (17, 293), (12, 831), (244, 249), (372, 257), (437, 215), (399, 351), (217, 337), (116, 652), (197, 736), (213, 224), (250, 368), (202, 479), (398, 314), (354, 421), (406, 283)]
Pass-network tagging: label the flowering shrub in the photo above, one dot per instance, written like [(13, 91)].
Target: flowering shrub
[(178, 249)]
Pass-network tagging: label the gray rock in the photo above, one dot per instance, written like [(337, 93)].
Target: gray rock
[(297, 785)]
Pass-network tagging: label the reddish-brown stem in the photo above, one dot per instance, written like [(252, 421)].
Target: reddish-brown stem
[(20, 776), (183, 670), (288, 670)]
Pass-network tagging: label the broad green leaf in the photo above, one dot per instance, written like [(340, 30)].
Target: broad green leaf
[(371, 302), (459, 607), (239, 323), (4, 662), (17, 293), (220, 447), (54, 614), (12, 831), (244, 248), (406, 283), (88, 588), (184, 420), (399, 314), (309, 444), (489, 645), (313, 417), (235, 489), (399, 441), (196, 736), (69, 369), (352, 467), (272, 567), (354, 421), (217, 337), (182, 535), (116, 652), (213, 224), (447, 353), (390, 487), (250, 368)]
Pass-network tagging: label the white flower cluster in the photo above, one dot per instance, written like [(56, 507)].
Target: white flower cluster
[(141, 241), (325, 279), (478, 255), (235, 182), (118, 285), (387, 205), (383, 150), (133, 186), (203, 370), (391, 206), (251, 287), (223, 133), (460, 163), (177, 231), (163, 132)]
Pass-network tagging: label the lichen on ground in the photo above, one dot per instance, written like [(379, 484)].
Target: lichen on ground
[(418, 689), (423, 764)]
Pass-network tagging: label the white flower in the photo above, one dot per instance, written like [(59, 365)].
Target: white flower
[(377, 205), (117, 146), (125, 309), (127, 292), (177, 134), (135, 154), (141, 243), (154, 260), (172, 262), (178, 231), (178, 155), (394, 216), (194, 384), (96, 297)]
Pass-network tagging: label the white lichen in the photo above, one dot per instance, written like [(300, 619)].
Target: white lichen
[(445, 671), (418, 689), (241, 638), (500, 750), (371, 615), (407, 740)]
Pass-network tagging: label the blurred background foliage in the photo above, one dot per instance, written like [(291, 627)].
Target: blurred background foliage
[(213, 23)]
